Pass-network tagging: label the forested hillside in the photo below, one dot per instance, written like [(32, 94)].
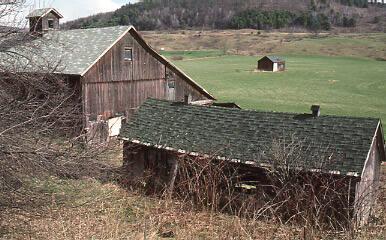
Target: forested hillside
[(235, 14)]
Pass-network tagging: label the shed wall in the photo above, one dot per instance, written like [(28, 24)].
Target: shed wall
[(367, 189), (275, 68), (48, 17), (265, 64)]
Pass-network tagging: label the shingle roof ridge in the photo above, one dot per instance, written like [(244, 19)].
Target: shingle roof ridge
[(274, 58), (93, 29), (273, 112), (246, 135), (43, 10)]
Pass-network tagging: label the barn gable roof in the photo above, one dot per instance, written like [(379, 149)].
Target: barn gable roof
[(248, 136), (74, 52), (71, 52), (43, 12)]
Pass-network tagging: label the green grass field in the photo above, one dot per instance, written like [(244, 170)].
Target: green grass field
[(341, 85)]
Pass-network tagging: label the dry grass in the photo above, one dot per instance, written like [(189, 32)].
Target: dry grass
[(90, 209), (108, 212)]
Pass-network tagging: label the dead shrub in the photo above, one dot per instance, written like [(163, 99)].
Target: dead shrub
[(283, 191), (206, 183), (41, 120)]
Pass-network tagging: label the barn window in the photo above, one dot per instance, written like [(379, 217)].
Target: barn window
[(50, 23), (128, 54), (171, 84)]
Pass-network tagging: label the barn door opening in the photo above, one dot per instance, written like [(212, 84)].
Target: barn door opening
[(170, 86)]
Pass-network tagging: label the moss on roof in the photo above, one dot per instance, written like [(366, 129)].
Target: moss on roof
[(343, 142)]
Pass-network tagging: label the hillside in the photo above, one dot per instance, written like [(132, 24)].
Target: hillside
[(87, 197), (251, 42), (235, 14)]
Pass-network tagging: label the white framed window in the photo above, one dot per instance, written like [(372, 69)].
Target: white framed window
[(51, 23), (128, 54)]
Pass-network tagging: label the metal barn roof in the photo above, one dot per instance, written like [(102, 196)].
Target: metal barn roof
[(248, 136)]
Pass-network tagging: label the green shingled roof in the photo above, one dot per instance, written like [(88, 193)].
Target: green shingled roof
[(249, 135), (73, 51)]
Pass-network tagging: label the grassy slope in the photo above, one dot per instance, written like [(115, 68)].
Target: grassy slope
[(92, 209), (89, 209), (341, 85), (356, 45), (249, 42)]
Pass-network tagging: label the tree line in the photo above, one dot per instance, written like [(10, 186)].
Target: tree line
[(224, 14)]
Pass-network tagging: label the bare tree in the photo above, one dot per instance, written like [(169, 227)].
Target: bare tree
[(40, 118)]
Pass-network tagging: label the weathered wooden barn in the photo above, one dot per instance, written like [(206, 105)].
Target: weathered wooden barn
[(348, 148), (114, 69), (271, 64)]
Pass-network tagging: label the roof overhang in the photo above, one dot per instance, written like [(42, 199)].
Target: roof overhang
[(233, 160)]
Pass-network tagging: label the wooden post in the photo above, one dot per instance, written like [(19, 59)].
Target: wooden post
[(173, 176)]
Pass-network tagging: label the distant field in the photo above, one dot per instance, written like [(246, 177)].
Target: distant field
[(253, 42), (341, 85)]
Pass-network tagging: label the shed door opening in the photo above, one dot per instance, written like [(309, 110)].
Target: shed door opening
[(170, 86)]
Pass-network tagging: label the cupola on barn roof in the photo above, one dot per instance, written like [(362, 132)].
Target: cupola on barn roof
[(43, 12)]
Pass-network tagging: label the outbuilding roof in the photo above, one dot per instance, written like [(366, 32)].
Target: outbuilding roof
[(42, 12), (342, 143), (274, 59)]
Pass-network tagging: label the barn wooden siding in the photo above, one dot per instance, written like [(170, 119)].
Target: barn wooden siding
[(117, 86)]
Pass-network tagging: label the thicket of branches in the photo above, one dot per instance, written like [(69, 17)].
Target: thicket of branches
[(41, 131), (284, 191)]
